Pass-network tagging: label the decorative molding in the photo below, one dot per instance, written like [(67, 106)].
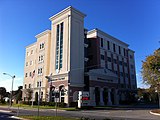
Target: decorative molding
[(42, 33)]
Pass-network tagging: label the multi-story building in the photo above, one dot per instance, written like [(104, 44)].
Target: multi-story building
[(79, 60)]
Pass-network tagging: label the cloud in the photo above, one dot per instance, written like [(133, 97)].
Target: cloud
[(8, 82)]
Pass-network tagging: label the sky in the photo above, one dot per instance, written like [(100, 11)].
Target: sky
[(135, 22)]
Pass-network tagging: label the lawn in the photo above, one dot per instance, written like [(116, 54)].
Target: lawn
[(47, 118), (44, 107)]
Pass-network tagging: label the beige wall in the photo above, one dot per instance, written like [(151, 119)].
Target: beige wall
[(44, 37)]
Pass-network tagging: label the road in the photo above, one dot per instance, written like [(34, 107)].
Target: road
[(136, 113), (5, 115)]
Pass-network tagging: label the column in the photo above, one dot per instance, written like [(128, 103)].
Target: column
[(116, 97), (92, 96), (101, 97), (109, 97)]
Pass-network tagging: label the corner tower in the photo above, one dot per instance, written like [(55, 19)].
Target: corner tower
[(67, 52)]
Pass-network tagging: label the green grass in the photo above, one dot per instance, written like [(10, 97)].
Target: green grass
[(69, 109), (44, 107), (34, 106), (47, 118)]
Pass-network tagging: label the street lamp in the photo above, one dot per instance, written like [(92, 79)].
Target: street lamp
[(11, 86)]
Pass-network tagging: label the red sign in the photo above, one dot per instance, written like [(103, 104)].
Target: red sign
[(85, 98)]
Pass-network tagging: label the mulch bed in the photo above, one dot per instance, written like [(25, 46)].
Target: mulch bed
[(156, 111)]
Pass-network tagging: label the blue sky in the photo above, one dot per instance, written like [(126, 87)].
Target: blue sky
[(135, 22)]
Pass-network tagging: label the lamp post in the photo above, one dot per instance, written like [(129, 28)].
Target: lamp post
[(11, 87)]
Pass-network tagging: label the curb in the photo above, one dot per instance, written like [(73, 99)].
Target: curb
[(5, 111), (154, 113), (14, 117)]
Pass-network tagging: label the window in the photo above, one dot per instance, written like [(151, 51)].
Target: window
[(125, 64), (102, 57), (132, 66), (114, 47), (121, 74), (27, 53), (29, 86), (90, 57), (40, 71), (127, 75), (31, 52), (25, 86), (119, 50), (131, 57), (37, 84), (59, 46), (31, 62), (101, 42), (41, 46), (26, 63), (109, 59), (120, 63), (132, 76), (40, 83), (124, 50), (108, 45), (30, 74), (40, 58), (26, 75), (115, 61)]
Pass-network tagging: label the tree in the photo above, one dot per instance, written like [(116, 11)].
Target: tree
[(28, 93), (19, 94), (2, 93), (151, 71)]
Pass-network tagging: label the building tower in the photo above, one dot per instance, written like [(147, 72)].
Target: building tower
[(67, 53)]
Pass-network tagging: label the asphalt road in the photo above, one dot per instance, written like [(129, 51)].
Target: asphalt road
[(128, 113), (6, 116)]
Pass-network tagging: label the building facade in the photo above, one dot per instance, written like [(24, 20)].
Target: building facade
[(75, 59)]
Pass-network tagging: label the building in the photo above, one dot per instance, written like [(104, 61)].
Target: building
[(76, 59)]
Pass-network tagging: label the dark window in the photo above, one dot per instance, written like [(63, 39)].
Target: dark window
[(125, 64), (90, 57), (29, 86), (131, 56), (40, 83), (115, 61), (30, 74), (127, 75), (59, 46), (121, 74), (102, 57), (37, 84), (114, 47), (120, 62), (108, 45), (124, 50), (25, 86), (26, 75), (119, 50), (40, 46), (109, 59), (133, 76), (132, 66), (101, 42)]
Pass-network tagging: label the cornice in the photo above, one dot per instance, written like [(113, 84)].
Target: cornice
[(42, 33), (96, 30), (70, 8)]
